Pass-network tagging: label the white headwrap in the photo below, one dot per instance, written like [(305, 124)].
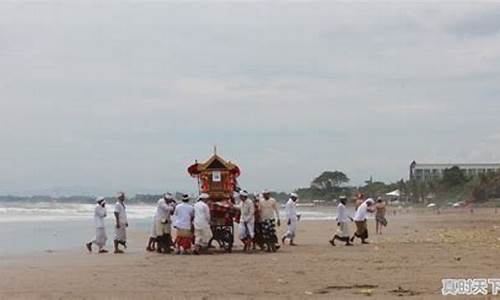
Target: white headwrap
[(203, 196)]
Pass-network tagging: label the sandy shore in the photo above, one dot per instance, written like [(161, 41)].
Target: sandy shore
[(412, 256)]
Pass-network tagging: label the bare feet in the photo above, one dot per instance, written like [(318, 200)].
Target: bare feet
[(103, 251), (89, 246), (332, 242), (118, 251)]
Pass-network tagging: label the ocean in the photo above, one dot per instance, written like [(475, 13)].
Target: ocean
[(27, 228)]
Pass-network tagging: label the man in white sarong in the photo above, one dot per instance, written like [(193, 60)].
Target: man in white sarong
[(293, 217), (247, 220), (164, 211), (121, 223), (100, 229), (201, 222), (343, 223)]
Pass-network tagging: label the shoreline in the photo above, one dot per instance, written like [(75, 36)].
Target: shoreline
[(410, 258), (67, 234)]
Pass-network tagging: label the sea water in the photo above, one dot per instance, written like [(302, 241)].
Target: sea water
[(50, 226)]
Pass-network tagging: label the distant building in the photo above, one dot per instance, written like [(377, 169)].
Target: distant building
[(426, 171)]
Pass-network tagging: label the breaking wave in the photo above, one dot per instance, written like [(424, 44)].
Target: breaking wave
[(51, 211)]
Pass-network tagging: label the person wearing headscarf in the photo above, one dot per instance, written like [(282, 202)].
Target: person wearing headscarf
[(293, 217), (100, 228), (343, 223), (121, 223), (360, 220), (184, 215), (164, 211), (247, 220), (201, 222)]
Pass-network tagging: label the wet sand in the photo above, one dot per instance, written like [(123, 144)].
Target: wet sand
[(415, 252)]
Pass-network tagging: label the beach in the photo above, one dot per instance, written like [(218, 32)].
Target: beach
[(410, 259), (49, 227)]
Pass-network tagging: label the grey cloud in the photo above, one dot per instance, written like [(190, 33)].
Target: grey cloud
[(106, 96), (486, 23)]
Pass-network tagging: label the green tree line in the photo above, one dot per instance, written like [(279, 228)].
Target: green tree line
[(454, 185)]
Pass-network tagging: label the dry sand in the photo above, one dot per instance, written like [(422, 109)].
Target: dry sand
[(409, 260)]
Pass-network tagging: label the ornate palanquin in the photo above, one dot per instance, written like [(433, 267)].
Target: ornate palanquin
[(216, 177)]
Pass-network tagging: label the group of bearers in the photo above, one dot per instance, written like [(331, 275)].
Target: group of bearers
[(256, 223), (363, 207), (192, 223)]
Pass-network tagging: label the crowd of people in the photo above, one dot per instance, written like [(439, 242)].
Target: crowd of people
[(257, 220)]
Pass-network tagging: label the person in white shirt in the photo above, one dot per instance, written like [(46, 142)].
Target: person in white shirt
[(164, 211), (292, 219), (201, 222), (247, 220), (183, 214), (121, 223), (268, 210), (342, 222), (360, 220), (100, 228)]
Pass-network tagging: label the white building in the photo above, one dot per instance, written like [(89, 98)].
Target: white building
[(426, 171)]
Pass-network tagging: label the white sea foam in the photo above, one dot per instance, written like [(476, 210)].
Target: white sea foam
[(50, 211), (12, 212)]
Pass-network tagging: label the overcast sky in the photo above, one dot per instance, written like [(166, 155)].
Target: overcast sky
[(109, 96)]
